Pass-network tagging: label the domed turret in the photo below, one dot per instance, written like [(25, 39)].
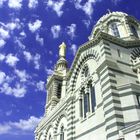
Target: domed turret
[(117, 24)]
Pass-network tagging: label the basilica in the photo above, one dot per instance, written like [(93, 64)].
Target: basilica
[(98, 97)]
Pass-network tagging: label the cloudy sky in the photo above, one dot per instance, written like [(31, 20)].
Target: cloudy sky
[(30, 33)]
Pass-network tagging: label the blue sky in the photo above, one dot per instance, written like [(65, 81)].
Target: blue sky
[(30, 33)]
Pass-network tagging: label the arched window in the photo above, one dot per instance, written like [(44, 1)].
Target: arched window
[(114, 29), (86, 71), (50, 137), (62, 133), (59, 88), (134, 31), (93, 99)]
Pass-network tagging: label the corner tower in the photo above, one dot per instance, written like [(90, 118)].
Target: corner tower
[(56, 83)]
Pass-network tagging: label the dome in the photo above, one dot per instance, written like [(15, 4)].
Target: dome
[(103, 18)]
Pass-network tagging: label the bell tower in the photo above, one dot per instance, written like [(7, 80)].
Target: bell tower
[(56, 83)]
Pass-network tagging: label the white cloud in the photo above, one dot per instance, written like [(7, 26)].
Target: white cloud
[(73, 48), (2, 57), (19, 43), (27, 125), (4, 128), (27, 56), (4, 34), (11, 26), (8, 113), (6, 89), (86, 22), (41, 86), (2, 77), (36, 60), (23, 34), (15, 4), (2, 43), (49, 71), (39, 39), (56, 6), (56, 30), (33, 3), (87, 7), (11, 60), (2, 2), (35, 25), (71, 30), (19, 91), (20, 127), (22, 74)]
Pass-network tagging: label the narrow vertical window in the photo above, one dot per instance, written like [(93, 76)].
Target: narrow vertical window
[(119, 52), (62, 133), (115, 30), (134, 31), (59, 88), (50, 137), (138, 98), (93, 99), (81, 107), (85, 105)]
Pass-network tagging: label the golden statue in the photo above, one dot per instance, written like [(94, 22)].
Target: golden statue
[(62, 50)]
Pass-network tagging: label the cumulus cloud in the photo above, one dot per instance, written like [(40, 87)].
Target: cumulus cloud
[(2, 77), (87, 7), (2, 43), (56, 6), (15, 4), (41, 86), (55, 30), (35, 25), (18, 41), (11, 60), (39, 40), (11, 26), (4, 128), (36, 60), (33, 3), (20, 127), (86, 22), (4, 34), (71, 30), (17, 91), (2, 2), (2, 57), (27, 56), (73, 49), (22, 74), (49, 71)]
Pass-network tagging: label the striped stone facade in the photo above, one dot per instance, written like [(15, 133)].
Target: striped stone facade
[(108, 67)]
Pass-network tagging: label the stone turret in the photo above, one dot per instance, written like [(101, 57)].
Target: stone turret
[(56, 84)]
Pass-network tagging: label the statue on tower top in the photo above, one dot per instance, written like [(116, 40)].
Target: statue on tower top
[(62, 50)]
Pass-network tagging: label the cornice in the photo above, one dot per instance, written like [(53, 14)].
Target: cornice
[(105, 37)]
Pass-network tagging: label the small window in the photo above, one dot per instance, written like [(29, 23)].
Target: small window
[(62, 133), (59, 90), (138, 98), (134, 31), (115, 30), (86, 72), (50, 137), (93, 99), (119, 52)]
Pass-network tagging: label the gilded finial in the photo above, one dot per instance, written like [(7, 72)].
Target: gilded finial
[(62, 50)]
